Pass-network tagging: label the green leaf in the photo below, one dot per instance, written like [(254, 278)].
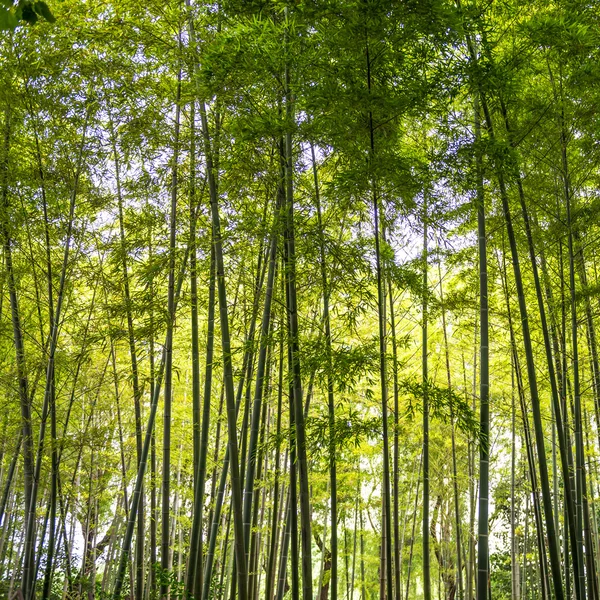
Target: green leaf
[(42, 9), (8, 21)]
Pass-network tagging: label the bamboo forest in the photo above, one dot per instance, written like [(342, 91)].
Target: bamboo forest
[(300, 300)]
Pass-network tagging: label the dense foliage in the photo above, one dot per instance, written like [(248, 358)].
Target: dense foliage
[(299, 299)]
